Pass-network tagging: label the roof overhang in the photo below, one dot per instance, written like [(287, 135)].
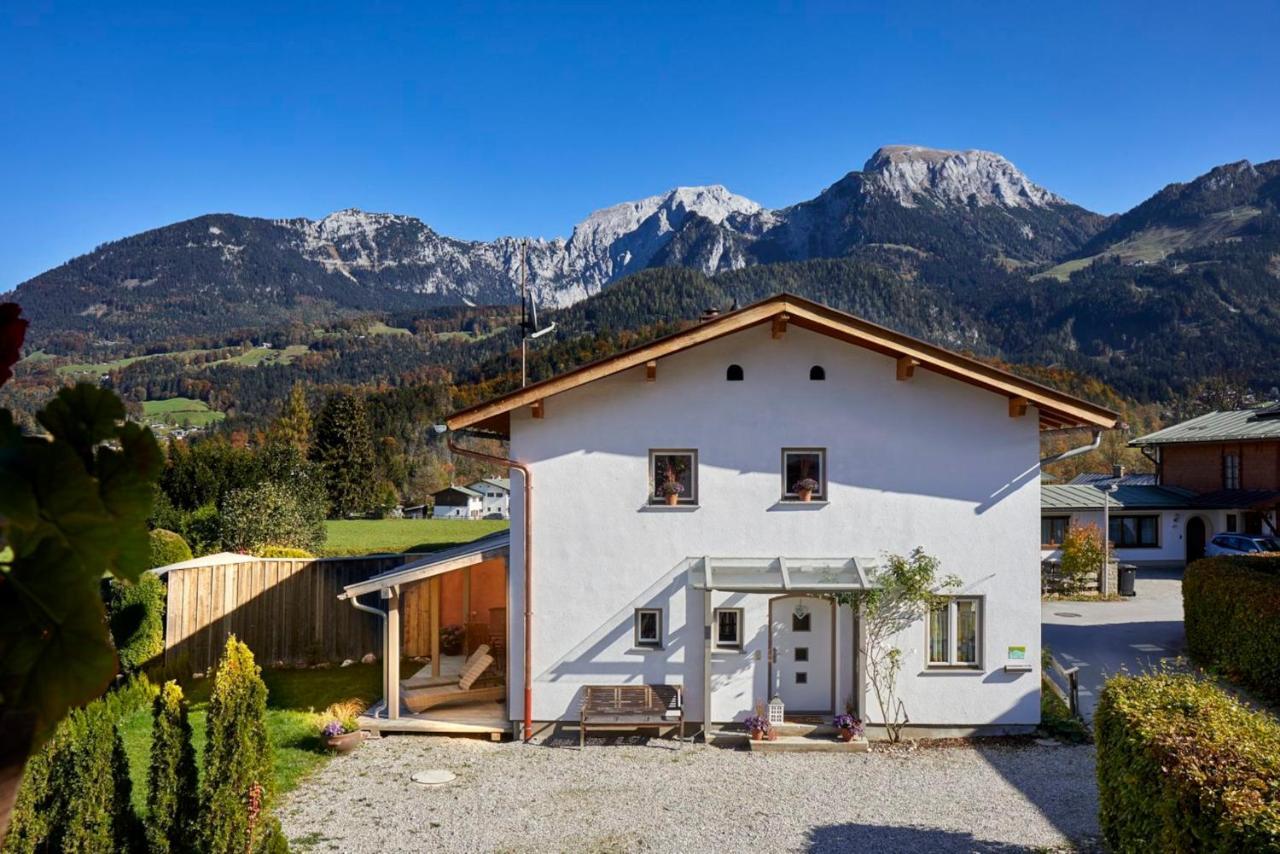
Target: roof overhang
[(449, 560), (781, 574), (1057, 410)]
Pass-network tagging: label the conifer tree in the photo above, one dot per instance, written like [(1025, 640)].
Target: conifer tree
[(172, 798), (343, 446), (293, 425), (237, 759)]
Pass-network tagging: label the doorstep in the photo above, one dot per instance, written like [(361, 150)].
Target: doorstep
[(808, 744)]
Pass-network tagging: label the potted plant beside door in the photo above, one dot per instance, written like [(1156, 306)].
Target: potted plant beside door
[(805, 488), (758, 726), (849, 726)]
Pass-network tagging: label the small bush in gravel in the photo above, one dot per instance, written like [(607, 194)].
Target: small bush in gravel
[(237, 759), (1231, 609), (172, 799), (136, 614), (1184, 767)]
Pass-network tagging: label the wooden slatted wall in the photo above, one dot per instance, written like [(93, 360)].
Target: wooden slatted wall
[(285, 609)]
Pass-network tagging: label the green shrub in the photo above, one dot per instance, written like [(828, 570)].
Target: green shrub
[(1082, 556), (172, 799), (283, 551), (75, 792), (203, 529), (268, 514), (1231, 608), (136, 614), (168, 547), (237, 758), (1184, 767)]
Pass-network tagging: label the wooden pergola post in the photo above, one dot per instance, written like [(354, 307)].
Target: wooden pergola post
[(391, 660), (433, 595)]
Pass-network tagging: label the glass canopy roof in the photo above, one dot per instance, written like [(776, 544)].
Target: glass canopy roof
[(781, 574)]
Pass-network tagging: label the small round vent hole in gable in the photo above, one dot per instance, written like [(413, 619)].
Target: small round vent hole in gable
[(734, 374), (817, 373)]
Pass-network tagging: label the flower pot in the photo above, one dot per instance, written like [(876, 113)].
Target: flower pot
[(846, 735), (773, 735), (805, 494), (757, 735), (673, 499), (344, 743)]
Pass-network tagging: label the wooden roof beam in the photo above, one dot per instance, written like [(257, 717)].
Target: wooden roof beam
[(780, 325), (538, 409), (1017, 407), (907, 368), (651, 370)]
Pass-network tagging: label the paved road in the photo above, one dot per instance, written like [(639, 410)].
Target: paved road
[(1102, 638)]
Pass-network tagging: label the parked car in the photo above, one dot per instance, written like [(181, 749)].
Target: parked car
[(1240, 544)]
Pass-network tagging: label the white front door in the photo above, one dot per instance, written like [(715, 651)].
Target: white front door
[(801, 672)]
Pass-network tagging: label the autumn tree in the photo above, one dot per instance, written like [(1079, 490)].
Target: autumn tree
[(293, 425)]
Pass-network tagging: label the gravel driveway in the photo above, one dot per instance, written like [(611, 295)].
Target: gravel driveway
[(651, 796)]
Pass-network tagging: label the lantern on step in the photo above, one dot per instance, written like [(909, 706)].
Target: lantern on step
[(775, 712)]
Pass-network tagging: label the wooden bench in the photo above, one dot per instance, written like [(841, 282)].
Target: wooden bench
[(631, 706)]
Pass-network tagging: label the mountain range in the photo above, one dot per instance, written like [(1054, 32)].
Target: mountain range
[(959, 247)]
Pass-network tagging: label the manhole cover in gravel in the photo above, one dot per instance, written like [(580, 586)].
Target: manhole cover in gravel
[(434, 777), (1065, 614)]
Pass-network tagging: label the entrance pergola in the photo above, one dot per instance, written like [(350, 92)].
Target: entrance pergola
[(771, 576)]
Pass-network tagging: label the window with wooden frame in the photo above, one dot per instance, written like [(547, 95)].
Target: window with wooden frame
[(648, 627), (801, 468), (954, 633), (1053, 529), (673, 473), (728, 626), (1231, 471), (1135, 532)]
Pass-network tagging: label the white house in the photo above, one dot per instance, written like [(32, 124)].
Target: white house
[(725, 591), (496, 496), (1147, 522), (457, 502)]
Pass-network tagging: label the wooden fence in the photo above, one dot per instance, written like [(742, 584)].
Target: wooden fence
[(285, 609)]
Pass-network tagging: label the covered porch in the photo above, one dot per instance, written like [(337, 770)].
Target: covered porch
[(447, 612), (811, 641)]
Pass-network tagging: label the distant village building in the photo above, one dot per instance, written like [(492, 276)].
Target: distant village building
[(457, 502)]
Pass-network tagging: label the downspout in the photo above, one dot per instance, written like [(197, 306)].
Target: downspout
[(1075, 452), (528, 571), (381, 615)]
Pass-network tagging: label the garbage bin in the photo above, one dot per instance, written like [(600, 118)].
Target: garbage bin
[(1128, 576)]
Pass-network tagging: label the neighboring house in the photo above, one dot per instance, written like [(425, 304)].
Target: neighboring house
[(1218, 473), (414, 511), (496, 494), (457, 502), (726, 591)]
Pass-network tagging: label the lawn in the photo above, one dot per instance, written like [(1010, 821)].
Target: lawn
[(181, 411), (293, 696), (370, 536)]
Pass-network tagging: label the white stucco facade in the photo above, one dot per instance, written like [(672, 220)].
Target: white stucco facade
[(928, 462), (1171, 548)]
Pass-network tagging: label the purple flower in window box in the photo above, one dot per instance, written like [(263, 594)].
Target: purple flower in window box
[(671, 490), (805, 488)]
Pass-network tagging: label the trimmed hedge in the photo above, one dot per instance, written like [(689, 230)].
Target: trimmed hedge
[(168, 547), (283, 551), (136, 614), (1231, 608), (1184, 767)]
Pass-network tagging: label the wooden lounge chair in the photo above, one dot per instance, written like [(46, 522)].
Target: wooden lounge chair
[(631, 706), (465, 690), (418, 680)]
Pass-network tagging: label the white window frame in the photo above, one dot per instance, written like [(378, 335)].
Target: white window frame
[(820, 494), (715, 622), (689, 499), (953, 636), (644, 643)]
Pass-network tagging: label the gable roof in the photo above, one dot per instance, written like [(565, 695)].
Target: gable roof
[(464, 490), (1125, 480), (503, 483), (1071, 496), (1261, 422), (1057, 409)]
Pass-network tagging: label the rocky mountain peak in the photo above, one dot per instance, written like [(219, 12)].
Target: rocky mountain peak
[(913, 173)]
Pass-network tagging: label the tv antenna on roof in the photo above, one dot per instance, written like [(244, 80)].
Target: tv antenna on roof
[(528, 319)]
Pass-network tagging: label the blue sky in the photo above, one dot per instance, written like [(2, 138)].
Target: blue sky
[(521, 118)]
